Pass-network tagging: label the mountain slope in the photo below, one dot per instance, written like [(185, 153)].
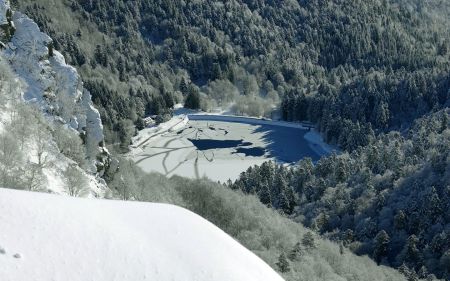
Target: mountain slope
[(78, 239)]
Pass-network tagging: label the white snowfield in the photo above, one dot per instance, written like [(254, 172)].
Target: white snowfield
[(48, 237)]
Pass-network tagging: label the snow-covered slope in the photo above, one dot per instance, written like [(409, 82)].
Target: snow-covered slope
[(60, 238), (45, 81)]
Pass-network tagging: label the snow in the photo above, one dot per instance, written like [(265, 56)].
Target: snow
[(175, 123), (49, 237), (317, 143), (4, 6), (168, 148)]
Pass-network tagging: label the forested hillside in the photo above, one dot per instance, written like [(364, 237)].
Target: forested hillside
[(353, 67), (389, 200)]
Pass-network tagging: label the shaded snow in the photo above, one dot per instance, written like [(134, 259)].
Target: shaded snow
[(60, 238), (317, 143), (4, 5)]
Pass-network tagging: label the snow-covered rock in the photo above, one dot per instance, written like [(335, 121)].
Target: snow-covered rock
[(61, 238), (4, 6), (52, 84)]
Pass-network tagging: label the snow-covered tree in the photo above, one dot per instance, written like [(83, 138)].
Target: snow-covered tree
[(308, 241), (381, 246), (76, 181), (283, 264), (296, 253)]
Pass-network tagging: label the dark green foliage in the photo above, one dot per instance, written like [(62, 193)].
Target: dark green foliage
[(125, 129), (296, 253), (283, 264), (375, 101), (50, 49), (308, 241), (140, 124), (192, 100), (410, 254), (9, 15), (183, 87), (381, 246), (7, 30)]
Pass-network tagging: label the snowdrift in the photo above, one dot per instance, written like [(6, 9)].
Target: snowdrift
[(49, 237)]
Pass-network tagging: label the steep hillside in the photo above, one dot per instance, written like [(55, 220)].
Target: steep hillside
[(51, 135), (78, 239)]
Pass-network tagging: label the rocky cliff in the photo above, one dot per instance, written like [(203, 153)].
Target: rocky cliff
[(50, 83)]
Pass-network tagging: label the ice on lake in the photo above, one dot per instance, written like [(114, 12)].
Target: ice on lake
[(221, 150)]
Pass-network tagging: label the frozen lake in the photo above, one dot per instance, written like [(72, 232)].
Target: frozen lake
[(221, 147)]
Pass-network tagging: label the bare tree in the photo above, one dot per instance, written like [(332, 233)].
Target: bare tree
[(76, 181), (70, 144), (21, 125), (10, 161), (33, 178)]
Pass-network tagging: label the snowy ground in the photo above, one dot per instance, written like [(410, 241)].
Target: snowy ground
[(220, 147), (47, 237)]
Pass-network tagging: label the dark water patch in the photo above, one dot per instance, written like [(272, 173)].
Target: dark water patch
[(212, 128), (247, 143), (205, 144), (252, 151)]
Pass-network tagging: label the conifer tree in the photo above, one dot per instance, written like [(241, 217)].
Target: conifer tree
[(50, 49), (192, 100), (264, 194), (9, 15), (308, 241), (381, 246), (183, 86), (296, 252), (283, 264)]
